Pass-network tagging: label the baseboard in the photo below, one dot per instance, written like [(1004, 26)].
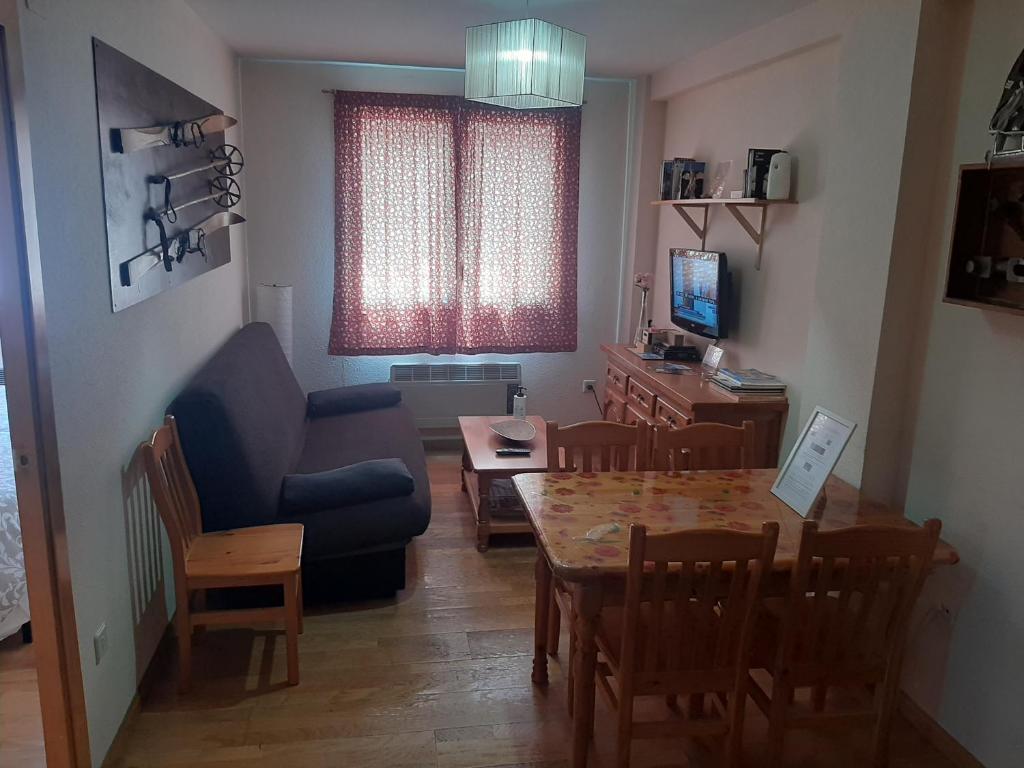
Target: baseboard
[(157, 664), (939, 738), (113, 756)]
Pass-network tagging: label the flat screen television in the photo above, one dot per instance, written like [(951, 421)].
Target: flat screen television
[(699, 287)]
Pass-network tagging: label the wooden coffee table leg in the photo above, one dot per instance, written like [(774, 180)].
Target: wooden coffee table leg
[(466, 467), (483, 514)]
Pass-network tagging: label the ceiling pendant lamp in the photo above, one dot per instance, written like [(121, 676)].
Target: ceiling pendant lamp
[(525, 64)]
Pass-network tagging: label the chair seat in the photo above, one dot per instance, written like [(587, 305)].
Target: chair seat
[(245, 556)]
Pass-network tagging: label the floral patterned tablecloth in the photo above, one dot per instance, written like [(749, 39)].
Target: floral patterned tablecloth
[(564, 507)]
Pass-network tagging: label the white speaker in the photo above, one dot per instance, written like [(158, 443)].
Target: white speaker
[(779, 173)]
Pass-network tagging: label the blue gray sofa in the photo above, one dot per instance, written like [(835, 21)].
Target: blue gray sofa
[(347, 463)]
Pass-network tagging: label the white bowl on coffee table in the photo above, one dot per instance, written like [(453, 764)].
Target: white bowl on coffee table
[(515, 430)]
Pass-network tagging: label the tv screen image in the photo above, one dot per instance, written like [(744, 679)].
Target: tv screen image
[(699, 291)]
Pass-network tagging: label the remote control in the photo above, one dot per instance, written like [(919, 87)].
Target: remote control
[(512, 452)]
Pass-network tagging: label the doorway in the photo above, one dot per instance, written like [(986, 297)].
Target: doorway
[(37, 578), (21, 720)]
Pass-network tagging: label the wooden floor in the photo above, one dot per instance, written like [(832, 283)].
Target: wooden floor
[(439, 677), (21, 724)]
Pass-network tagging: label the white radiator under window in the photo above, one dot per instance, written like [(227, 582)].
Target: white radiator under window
[(439, 393)]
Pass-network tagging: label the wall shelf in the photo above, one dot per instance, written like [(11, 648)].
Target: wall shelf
[(734, 206)]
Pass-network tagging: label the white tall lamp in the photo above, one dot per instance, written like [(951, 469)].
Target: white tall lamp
[(525, 64), (274, 306)]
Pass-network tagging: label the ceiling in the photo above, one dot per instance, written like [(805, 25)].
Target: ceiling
[(625, 38)]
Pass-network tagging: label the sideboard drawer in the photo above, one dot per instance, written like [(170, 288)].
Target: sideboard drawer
[(616, 380), (641, 398), (668, 416)]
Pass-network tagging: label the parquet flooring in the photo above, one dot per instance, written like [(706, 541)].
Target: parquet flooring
[(437, 678), (21, 724)]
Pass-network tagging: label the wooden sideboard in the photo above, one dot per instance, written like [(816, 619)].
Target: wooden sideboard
[(633, 391)]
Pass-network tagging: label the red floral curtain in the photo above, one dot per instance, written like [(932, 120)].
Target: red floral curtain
[(455, 226)]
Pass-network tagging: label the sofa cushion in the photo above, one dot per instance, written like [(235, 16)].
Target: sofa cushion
[(355, 484), (359, 397), (242, 422), (335, 441)]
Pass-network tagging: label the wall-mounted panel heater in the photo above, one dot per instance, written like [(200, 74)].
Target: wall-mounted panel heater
[(439, 393)]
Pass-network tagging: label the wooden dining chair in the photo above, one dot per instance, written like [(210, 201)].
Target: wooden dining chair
[(589, 446), (843, 625), (685, 629), (597, 446), (704, 446), (243, 557)]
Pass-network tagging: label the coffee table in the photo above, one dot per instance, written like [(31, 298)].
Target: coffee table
[(481, 467)]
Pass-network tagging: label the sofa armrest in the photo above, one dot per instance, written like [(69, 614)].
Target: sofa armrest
[(366, 481), (359, 397)]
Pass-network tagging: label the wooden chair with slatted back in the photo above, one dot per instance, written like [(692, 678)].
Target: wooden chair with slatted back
[(244, 557), (589, 446), (597, 446), (704, 446), (685, 629), (844, 624)]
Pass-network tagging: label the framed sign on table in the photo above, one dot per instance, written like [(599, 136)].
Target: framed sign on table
[(810, 463)]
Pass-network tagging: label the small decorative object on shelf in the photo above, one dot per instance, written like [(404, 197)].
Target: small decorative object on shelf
[(682, 179), (756, 177), (779, 176), (643, 281), (720, 179)]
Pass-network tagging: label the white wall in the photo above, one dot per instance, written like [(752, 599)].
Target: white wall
[(788, 103), (290, 172), (113, 374), (968, 447), (877, 52), (833, 81)]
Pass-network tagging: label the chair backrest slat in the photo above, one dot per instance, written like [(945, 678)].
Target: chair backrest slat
[(851, 595), (706, 445), (694, 594), (172, 488), (597, 446)]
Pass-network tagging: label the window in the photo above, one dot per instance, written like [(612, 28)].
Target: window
[(455, 226)]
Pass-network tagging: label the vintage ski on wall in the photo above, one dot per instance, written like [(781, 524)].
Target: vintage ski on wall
[(223, 191), (192, 240), (184, 133)]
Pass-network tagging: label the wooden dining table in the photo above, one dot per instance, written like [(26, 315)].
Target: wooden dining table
[(564, 509)]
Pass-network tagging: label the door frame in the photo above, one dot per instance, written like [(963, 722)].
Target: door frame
[(32, 423)]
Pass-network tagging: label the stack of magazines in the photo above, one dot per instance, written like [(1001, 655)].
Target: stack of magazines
[(749, 384)]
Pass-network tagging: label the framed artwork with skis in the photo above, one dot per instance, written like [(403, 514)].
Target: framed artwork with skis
[(169, 179)]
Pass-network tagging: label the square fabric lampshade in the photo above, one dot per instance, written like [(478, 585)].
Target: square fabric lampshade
[(525, 64)]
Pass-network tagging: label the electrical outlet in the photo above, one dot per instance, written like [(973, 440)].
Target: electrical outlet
[(589, 385), (100, 642)]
